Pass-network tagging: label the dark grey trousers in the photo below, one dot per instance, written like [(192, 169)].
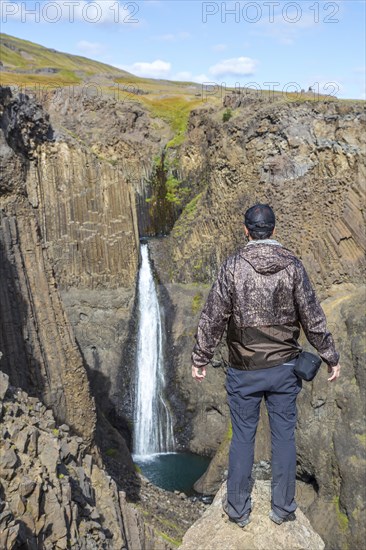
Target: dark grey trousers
[(245, 388)]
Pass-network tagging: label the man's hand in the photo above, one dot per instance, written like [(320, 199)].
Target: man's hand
[(336, 371), (198, 373)]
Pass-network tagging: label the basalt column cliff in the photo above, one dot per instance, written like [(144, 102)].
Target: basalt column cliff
[(39, 349)]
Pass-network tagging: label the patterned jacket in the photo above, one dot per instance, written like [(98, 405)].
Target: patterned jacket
[(262, 294)]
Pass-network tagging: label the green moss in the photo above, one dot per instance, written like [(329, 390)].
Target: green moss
[(56, 432), (112, 452), (175, 110), (174, 542), (227, 115), (229, 433), (198, 265), (362, 439), (175, 192), (197, 303), (39, 82), (341, 516), (168, 523), (137, 468), (164, 523), (191, 208)]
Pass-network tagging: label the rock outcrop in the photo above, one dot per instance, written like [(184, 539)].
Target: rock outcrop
[(331, 430), (305, 158), (215, 531), (55, 492), (40, 352)]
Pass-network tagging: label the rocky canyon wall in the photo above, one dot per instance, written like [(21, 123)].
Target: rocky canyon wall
[(40, 352), (72, 200), (307, 159), (88, 188)]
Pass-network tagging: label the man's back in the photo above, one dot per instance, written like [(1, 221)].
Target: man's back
[(264, 294)]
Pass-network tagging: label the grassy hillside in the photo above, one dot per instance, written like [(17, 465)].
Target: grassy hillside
[(17, 54), (34, 67), (26, 63)]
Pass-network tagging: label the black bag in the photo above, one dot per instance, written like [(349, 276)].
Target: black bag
[(307, 365)]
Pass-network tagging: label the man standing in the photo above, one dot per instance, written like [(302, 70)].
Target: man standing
[(262, 294)]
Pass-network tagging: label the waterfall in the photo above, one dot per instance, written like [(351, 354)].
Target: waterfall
[(153, 431)]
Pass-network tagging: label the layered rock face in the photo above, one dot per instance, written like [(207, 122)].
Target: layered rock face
[(87, 217), (114, 129), (88, 190), (40, 352), (305, 159), (331, 427)]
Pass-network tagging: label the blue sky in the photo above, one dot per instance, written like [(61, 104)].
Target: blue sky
[(276, 44)]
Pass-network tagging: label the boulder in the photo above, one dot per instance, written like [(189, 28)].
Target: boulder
[(4, 384), (215, 531)]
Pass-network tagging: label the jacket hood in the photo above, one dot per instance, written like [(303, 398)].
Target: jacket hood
[(267, 258)]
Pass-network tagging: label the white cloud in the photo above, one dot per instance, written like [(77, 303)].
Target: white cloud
[(219, 47), (165, 37), (237, 66), (170, 37), (90, 48), (155, 69), (188, 76)]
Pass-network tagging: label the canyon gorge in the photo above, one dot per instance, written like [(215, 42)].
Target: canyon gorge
[(85, 179)]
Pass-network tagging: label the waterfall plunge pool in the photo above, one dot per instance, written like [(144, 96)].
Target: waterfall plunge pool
[(173, 471), (154, 441)]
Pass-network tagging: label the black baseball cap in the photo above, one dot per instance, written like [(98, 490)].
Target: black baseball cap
[(260, 217)]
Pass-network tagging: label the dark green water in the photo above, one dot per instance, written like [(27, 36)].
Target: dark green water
[(173, 471)]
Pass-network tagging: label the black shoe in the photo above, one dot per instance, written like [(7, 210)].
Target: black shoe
[(276, 519), (243, 522)]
